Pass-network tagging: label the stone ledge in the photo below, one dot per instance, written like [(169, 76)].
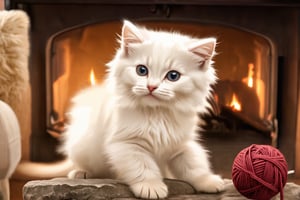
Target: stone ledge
[(99, 189)]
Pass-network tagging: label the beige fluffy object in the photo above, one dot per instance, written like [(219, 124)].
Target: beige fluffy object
[(14, 74)]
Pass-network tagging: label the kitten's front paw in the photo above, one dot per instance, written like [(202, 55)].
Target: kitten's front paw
[(77, 174), (151, 189), (210, 183)]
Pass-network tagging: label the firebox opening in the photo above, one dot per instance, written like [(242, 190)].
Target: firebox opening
[(244, 63)]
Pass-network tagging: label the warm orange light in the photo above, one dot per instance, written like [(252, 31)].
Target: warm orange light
[(92, 77), (250, 75), (235, 104), (249, 80)]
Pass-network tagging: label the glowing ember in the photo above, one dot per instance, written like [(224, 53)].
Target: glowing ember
[(235, 104), (92, 77)]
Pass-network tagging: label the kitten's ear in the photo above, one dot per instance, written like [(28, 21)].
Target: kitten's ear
[(205, 48), (131, 34)]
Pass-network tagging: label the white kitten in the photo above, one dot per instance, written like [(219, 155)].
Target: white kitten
[(140, 125)]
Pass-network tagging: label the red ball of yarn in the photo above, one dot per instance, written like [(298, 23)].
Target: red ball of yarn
[(260, 172)]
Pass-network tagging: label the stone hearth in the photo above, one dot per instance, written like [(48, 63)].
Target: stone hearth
[(96, 189)]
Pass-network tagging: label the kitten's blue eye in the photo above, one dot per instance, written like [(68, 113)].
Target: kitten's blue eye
[(173, 75), (141, 70)]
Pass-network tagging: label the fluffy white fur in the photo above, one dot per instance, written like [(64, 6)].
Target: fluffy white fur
[(14, 52), (15, 88), (140, 128)]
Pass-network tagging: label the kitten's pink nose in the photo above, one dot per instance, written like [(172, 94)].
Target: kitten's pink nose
[(151, 88)]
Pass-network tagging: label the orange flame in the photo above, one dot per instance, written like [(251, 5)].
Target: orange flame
[(235, 104), (250, 75), (92, 77)]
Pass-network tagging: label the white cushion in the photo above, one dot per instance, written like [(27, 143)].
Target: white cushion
[(10, 141)]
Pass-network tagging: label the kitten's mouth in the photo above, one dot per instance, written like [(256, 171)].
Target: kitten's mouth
[(150, 95)]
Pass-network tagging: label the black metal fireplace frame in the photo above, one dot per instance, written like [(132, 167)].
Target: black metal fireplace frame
[(278, 20)]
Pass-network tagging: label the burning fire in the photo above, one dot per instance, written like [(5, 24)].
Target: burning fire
[(92, 77), (249, 80), (235, 104)]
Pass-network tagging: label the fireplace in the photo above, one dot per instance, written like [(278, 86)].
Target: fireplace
[(257, 62), (77, 57)]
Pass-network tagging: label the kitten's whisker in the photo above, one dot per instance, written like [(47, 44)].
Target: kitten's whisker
[(165, 94), (140, 90)]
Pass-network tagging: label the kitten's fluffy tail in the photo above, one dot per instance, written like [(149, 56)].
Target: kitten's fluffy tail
[(27, 170)]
